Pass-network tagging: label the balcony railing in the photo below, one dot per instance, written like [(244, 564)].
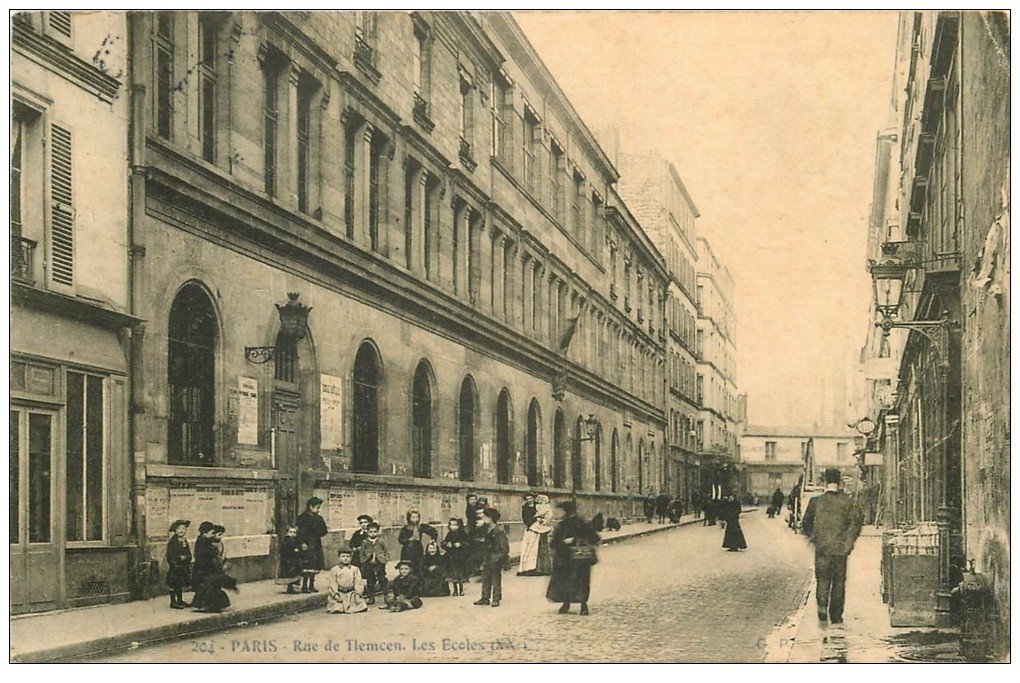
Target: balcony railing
[(421, 113), (22, 252)]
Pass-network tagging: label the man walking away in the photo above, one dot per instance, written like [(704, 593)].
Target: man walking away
[(832, 522), (777, 502)]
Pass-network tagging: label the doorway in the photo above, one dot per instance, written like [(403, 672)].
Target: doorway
[(34, 515)]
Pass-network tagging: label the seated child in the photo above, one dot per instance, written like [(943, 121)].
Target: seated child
[(405, 591), (374, 554), (433, 581), (345, 585)]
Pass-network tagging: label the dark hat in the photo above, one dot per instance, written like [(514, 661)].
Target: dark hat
[(344, 549), (205, 527), (833, 475), (313, 501), (179, 522), (491, 513), (219, 528), (404, 563), (567, 506), (365, 518)]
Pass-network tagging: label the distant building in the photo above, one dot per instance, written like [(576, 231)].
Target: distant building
[(778, 456)]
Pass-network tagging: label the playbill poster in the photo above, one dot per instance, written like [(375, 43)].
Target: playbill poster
[(583, 336)]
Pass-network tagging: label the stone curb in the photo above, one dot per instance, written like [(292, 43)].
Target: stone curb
[(208, 623)]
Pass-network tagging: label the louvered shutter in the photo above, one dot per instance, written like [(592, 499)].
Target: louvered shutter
[(60, 22), (62, 207)]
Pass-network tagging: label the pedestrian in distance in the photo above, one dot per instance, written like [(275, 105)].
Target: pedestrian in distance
[(496, 559), (433, 579), (733, 537), (311, 529), (456, 546), (178, 559), (290, 560), (358, 536), (832, 522), (345, 585), (662, 507), (573, 545), (405, 591), (711, 510), (374, 556), (649, 508), (777, 502)]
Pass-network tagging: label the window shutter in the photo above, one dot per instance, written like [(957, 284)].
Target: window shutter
[(62, 207), (60, 22)]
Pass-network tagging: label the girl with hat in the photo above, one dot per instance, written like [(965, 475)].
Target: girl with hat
[(311, 528), (178, 559), (345, 585)]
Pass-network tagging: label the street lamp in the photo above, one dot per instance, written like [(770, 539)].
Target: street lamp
[(591, 427), (293, 328)]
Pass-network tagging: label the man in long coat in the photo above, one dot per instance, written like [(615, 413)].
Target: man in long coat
[(832, 522)]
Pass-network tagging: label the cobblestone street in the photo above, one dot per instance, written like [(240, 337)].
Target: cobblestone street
[(673, 596)]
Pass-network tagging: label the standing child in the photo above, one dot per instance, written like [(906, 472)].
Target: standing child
[(457, 549), (358, 536), (205, 560), (496, 558), (405, 591), (290, 560), (345, 585), (178, 558), (311, 528), (412, 540), (374, 556), (433, 581)]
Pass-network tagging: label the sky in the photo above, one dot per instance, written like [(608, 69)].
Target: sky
[(770, 118)]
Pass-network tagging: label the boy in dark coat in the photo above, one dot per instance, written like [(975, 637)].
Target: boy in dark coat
[(495, 558), (311, 528), (374, 556), (290, 560), (405, 591), (358, 536), (178, 559)]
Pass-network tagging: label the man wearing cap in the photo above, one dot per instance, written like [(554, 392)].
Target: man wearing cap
[(832, 522), (495, 558)]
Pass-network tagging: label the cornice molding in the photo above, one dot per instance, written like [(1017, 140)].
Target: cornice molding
[(52, 55)]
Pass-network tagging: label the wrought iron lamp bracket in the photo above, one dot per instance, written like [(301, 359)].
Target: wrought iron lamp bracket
[(259, 354)]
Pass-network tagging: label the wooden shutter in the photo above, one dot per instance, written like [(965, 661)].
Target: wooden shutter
[(60, 22), (62, 207)]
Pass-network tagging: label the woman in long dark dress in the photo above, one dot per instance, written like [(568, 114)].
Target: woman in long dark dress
[(311, 528), (733, 539), (573, 545)]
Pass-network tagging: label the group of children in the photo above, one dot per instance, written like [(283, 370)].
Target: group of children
[(427, 567), (208, 577)]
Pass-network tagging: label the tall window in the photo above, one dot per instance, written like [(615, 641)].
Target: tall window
[(285, 361), (207, 32), (428, 226), (531, 455), (596, 233), (770, 450), (270, 119), (84, 468), (375, 188), (577, 209), (350, 138), (18, 130), (304, 135), (164, 73), (466, 432), (421, 422), (497, 101), (614, 447), (410, 177), (191, 372), (530, 145), (418, 64), (559, 451), (367, 379), (556, 161), (466, 114), (504, 447)]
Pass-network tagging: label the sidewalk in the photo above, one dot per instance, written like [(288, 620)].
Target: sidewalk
[(76, 633), (865, 636)]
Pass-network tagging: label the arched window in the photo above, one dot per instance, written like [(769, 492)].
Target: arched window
[(598, 458), (614, 448), (534, 423), (628, 462), (575, 457), (641, 466), (504, 420), (285, 360), (191, 375), (467, 412), (559, 451), (367, 380), (421, 422)]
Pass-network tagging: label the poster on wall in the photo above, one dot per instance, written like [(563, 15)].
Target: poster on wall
[(331, 411), (247, 411)]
